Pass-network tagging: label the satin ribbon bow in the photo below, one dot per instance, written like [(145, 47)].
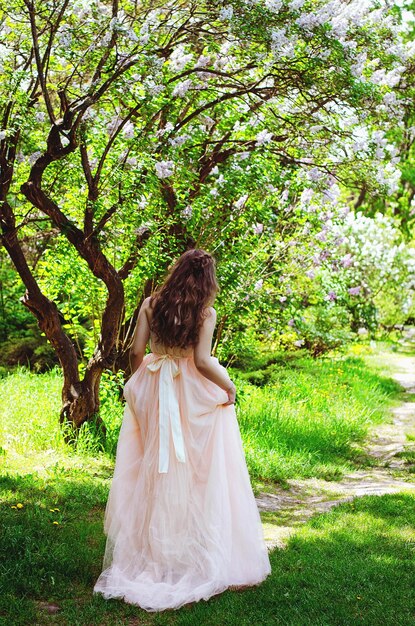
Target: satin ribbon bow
[(169, 412)]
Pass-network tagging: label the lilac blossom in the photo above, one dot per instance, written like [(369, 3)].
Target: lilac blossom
[(128, 130), (273, 5), (226, 13), (258, 228), (187, 212), (182, 88), (240, 203), (347, 260), (306, 195), (164, 169), (354, 291), (263, 137)]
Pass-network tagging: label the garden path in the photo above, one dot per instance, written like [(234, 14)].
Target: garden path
[(286, 509)]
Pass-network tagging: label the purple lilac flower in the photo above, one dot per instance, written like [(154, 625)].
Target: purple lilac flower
[(354, 291), (347, 260)]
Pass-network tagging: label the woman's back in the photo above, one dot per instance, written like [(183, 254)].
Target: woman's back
[(158, 348)]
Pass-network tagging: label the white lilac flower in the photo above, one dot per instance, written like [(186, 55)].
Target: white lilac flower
[(294, 5), (34, 157), (164, 169), (178, 141), (316, 128), (263, 137), (207, 121), (182, 88), (179, 59), (273, 5), (131, 161), (131, 35), (166, 129), (306, 195), (279, 38), (65, 37), (187, 212), (113, 124), (310, 274), (142, 203), (226, 13), (314, 174), (258, 284), (241, 201), (203, 61), (153, 88), (258, 228), (128, 130)]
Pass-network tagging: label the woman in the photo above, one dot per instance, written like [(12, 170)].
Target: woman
[(181, 519)]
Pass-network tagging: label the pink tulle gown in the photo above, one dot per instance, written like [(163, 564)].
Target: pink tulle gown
[(181, 519)]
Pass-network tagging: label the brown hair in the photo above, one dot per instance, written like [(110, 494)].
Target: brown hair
[(179, 304)]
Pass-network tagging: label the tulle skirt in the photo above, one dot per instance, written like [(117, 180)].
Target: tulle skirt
[(181, 519)]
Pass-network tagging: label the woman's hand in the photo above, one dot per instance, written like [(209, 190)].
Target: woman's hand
[(231, 391)]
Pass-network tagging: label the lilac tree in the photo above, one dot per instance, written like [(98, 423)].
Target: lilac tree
[(130, 132)]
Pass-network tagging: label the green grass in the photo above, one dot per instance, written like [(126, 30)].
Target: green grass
[(311, 416), (307, 418), (353, 565)]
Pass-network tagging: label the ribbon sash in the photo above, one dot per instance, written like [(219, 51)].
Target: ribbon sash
[(169, 413)]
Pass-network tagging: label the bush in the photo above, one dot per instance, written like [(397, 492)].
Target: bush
[(325, 328)]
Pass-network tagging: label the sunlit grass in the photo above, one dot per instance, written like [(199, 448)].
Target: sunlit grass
[(310, 417), (353, 565), (341, 568)]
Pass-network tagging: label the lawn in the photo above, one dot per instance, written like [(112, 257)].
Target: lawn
[(353, 565)]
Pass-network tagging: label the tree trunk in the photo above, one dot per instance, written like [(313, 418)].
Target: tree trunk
[(80, 400)]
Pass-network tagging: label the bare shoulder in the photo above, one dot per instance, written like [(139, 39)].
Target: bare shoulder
[(210, 314), (146, 308)]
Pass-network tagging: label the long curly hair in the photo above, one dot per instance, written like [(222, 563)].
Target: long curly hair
[(180, 302)]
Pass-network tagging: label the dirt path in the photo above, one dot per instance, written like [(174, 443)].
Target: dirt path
[(288, 508)]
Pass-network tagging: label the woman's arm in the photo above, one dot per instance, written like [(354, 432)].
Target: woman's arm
[(206, 365), (141, 337)]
